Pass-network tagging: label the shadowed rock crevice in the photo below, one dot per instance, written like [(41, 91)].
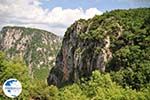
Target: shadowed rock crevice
[(103, 43), (78, 57)]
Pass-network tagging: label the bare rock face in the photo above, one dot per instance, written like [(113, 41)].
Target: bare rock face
[(79, 55), (37, 47), (105, 43)]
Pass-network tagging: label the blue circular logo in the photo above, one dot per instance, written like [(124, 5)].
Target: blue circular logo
[(12, 88)]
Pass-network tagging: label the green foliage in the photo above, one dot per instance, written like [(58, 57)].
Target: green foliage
[(101, 87), (132, 60), (98, 87), (35, 45), (41, 74), (129, 32), (128, 73), (17, 69), (73, 92)]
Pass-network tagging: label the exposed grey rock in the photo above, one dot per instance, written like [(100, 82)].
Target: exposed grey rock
[(38, 47), (77, 57)]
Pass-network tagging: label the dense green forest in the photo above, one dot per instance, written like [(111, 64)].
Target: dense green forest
[(98, 87), (127, 75)]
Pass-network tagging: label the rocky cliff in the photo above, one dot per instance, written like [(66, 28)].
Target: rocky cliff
[(95, 44), (37, 47)]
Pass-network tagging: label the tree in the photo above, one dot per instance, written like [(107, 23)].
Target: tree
[(17, 69)]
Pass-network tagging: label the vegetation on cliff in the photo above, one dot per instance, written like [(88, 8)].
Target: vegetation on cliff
[(117, 42), (120, 39), (38, 48), (98, 87)]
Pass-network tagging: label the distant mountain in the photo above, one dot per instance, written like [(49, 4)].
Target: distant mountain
[(37, 47), (117, 41)]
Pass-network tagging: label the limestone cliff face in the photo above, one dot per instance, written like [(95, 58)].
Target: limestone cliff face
[(37, 47), (100, 43), (78, 57)]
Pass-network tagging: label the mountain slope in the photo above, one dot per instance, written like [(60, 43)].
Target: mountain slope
[(37, 47), (115, 41)]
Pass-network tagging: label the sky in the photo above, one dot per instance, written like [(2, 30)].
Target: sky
[(56, 15)]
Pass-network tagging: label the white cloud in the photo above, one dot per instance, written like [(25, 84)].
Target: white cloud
[(30, 13)]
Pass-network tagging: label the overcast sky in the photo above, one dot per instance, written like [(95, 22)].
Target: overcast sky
[(56, 15)]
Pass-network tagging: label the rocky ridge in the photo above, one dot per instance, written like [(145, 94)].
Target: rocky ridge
[(37, 47), (93, 44)]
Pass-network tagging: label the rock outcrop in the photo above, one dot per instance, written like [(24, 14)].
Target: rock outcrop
[(94, 45), (79, 57), (37, 47)]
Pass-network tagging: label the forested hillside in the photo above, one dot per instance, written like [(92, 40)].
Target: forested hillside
[(117, 42), (38, 48), (103, 58)]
